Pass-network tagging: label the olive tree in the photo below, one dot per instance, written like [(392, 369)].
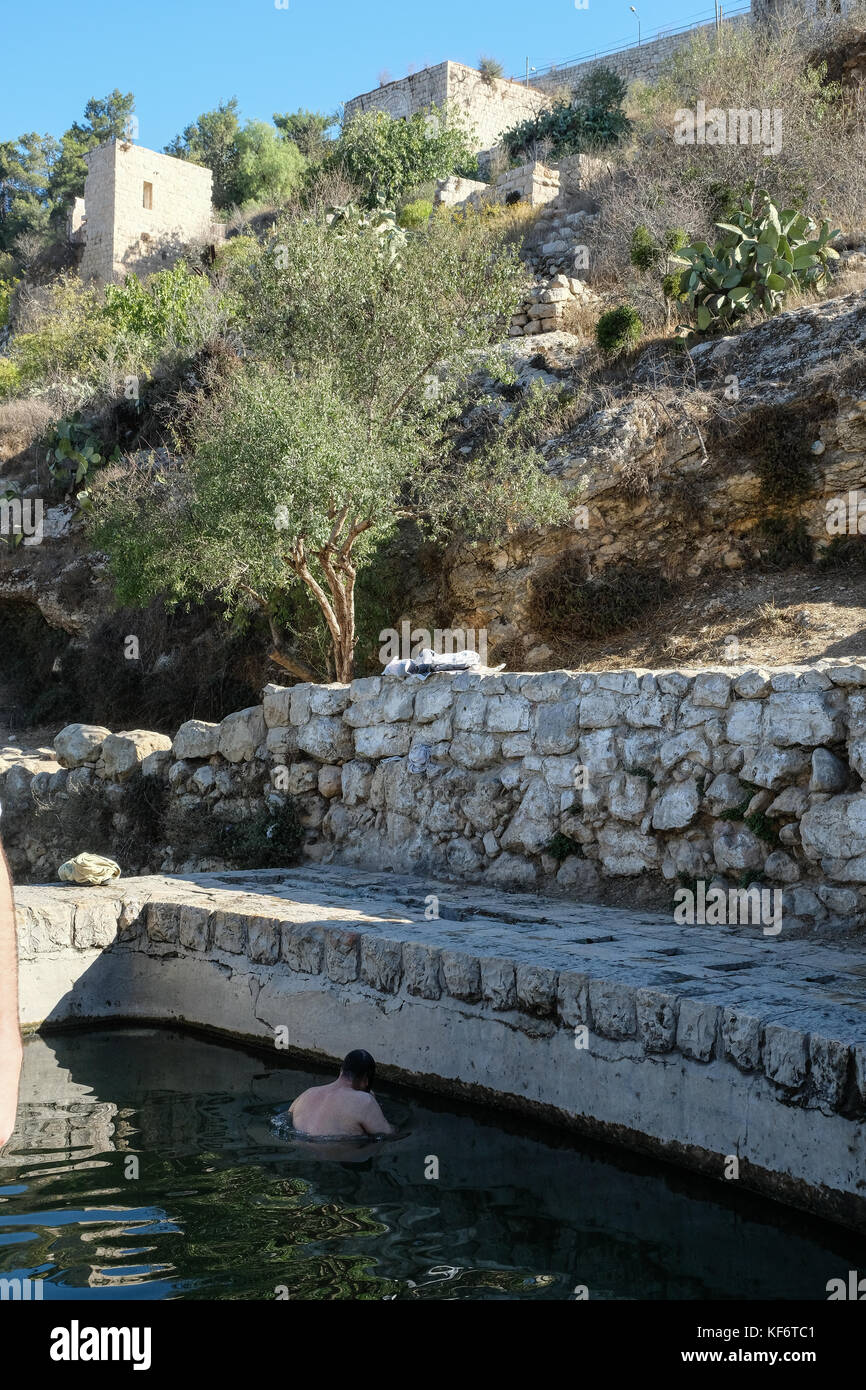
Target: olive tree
[(341, 421)]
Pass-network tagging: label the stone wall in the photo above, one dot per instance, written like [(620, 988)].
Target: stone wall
[(490, 107), (122, 235), (575, 782), (638, 63), (596, 1025)]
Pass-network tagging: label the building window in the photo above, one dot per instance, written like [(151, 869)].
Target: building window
[(147, 200)]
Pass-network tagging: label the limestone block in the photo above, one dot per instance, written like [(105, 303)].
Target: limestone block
[(697, 1026), (656, 1019), (421, 969), (341, 955), (536, 989), (828, 1060), (785, 1056), (498, 986), (196, 739), (77, 744), (303, 947), (277, 704), (329, 699), (241, 734), (712, 688), (193, 928), (741, 1039), (383, 741), (229, 932), (381, 963), (772, 767), (829, 773), (356, 778), (835, 828), (625, 851), (676, 807), (326, 738), (461, 974), (263, 940), (801, 718), (614, 1011)]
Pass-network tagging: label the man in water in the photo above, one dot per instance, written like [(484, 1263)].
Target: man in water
[(344, 1108), (10, 1031)]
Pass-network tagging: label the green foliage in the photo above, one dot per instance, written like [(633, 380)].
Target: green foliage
[(562, 846), (618, 330), (10, 379), (387, 158), (490, 69), (252, 163), (645, 251), (592, 118), (762, 255), (272, 840), (7, 289), (165, 307), (354, 435), (73, 450), (63, 333), (307, 130), (417, 214)]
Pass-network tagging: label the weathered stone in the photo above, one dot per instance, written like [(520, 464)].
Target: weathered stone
[(263, 940), (829, 773), (741, 1037), (193, 928), (341, 955), (835, 828), (421, 969), (785, 1056), (461, 974), (276, 706), (329, 699), (330, 781), (536, 989), (676, 807), (738, 849), (532, 826), (613, 1008), (326, 738), (77, 744), (303, 947), (656, 1019), (498, 985), (229, 932), (625, 851), (381, 963), (725, 793), (196, 739), (241, 734), (161, 922), (383, 741), (697, 1026), (829, 1069), (711, 688), (772, 767), (95, 924)]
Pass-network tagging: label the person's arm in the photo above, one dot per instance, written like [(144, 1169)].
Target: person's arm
[(10, 1030), (372, 1119)]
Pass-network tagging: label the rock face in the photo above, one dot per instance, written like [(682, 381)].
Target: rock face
[(662, 488), (564, 780)]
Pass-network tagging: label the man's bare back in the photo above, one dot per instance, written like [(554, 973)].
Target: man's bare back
[(345, 1107)]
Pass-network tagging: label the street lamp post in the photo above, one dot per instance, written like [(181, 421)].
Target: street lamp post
[(637, 17)]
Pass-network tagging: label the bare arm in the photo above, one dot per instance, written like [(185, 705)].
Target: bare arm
[(10, 1031), (372, 1119)]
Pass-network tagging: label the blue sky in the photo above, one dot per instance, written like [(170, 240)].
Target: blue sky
[(181, 57)]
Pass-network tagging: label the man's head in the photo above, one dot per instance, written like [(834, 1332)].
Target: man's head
[(359, 1068)]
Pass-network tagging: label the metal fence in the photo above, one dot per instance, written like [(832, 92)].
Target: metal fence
[(698, 22)]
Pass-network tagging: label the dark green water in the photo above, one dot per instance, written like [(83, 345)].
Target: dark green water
[(146, 1165)]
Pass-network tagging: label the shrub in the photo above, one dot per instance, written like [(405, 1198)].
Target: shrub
[(416, 214), (10, 378), (762, 255), (72, 451), (490, 69), (618, 330), (62, 332), (593, 117), (386, 158), (168, 308), (566, 604)]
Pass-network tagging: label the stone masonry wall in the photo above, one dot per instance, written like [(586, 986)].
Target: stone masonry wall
[(124, 236), (490, 107), (574, 782)]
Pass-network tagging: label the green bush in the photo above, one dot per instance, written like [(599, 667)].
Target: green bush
[(387, 158), (593, 117), (762, 255), (10, 378), (72, 451), (618, 330), (167, 308), (7, 289), (416, 214), (490, 69), (63, 332), (645, 251)]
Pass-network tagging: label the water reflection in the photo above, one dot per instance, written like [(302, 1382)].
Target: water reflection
[(147, 1165)]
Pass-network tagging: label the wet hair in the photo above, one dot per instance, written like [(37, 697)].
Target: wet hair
[(359, 1066)]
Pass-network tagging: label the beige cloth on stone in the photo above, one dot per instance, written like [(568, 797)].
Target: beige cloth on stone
[(88, 868)]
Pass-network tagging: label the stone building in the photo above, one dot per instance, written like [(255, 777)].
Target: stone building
[(140, 209), (491, 105)]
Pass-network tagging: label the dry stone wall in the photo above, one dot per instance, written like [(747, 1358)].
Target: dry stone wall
[(573, 782)]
